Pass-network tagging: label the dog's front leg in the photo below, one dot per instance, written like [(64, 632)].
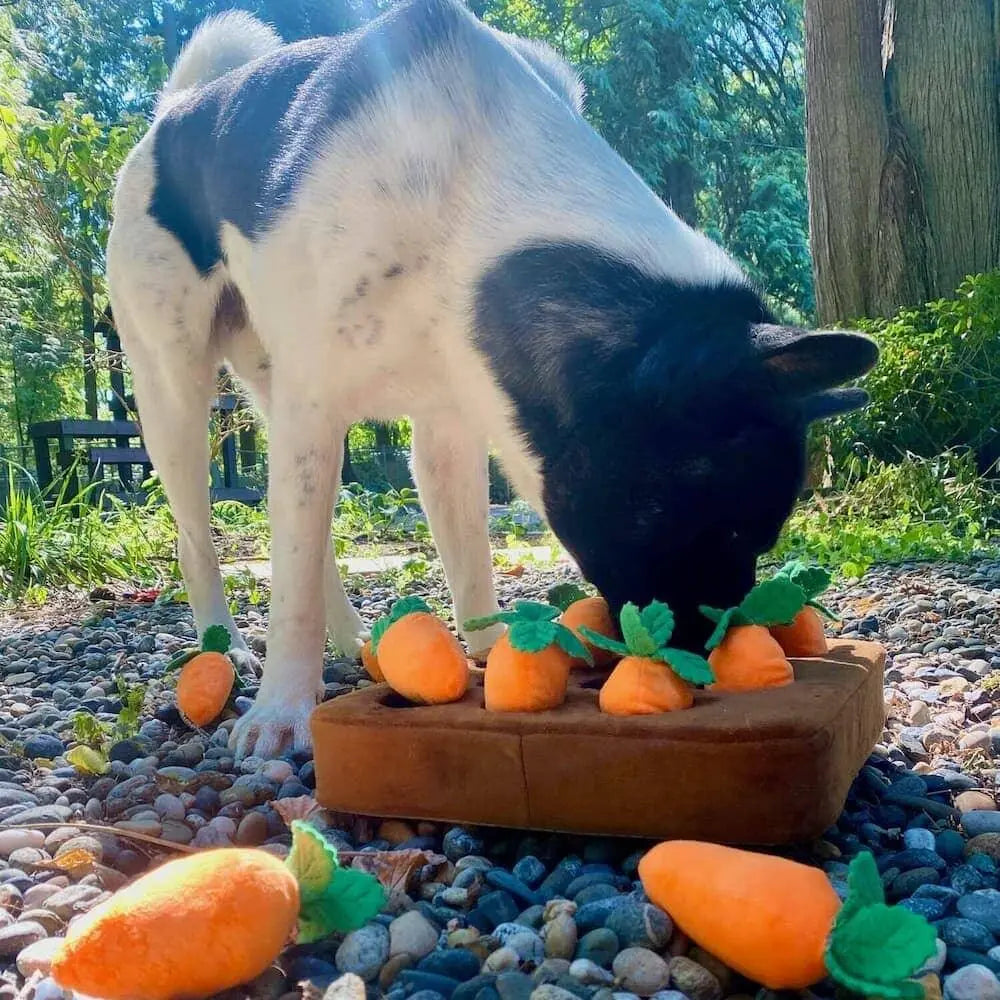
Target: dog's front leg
[(450, 467), (306, 455)]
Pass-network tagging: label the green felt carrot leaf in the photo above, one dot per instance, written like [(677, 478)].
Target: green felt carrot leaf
[(331, 899), (562, 595), (646, 634), (216, 639), (773, 602), (533, 628), (812, 579), (874, 949), (403, 607)]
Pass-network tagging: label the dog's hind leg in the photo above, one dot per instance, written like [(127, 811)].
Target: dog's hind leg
[(451, 470), (173, 394)]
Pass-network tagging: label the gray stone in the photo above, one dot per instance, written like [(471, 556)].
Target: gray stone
[(411, 934), (18, 936), (972, 982), (981, 821), (364, 952), (694, 980), (641, 971)]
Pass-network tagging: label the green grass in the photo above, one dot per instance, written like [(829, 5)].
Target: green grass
[(918, 509), (60, 539)]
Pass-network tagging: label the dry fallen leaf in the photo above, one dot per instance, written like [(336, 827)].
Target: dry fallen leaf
[(395, 869), (80, 862), (516, 571), (303, 807)]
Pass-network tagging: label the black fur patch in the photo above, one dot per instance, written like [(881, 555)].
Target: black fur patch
[(237, 149), (671, 454)]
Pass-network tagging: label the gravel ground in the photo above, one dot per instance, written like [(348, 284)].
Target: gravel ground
[(488, 915)]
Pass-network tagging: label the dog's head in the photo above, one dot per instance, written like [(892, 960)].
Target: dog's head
[(670, 421), (684, 486)]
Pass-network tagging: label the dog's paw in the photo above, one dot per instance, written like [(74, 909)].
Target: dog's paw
[(347, 633), (247, 664), (272, 728), (481, 642)]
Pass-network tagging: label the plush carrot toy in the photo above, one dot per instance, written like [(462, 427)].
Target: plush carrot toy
[(417, 654), (527, 670), (743, 654), (370, 662), (805, 635), (213, 920), (206, 679), (652, 677), (781, 923), (580, 610)]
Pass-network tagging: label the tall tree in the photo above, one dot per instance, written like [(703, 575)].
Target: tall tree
[(903, 149)]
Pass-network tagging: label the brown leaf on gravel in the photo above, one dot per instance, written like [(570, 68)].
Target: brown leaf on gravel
[(76, 864), (515, 571), (396, 869), (303, 807)]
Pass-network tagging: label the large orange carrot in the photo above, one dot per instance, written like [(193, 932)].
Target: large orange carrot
[(652, 677), (580, 611), (370, 662), (527, 669), (418, 656), (210, 921), (781, 924)]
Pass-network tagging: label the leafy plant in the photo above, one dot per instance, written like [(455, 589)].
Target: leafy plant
[(936, 387)]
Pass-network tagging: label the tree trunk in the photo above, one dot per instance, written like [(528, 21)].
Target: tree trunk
[(679, 188), (903, 147), (89, 344), (171, 45), (348, 475)]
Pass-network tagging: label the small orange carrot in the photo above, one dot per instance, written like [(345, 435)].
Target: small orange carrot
[(207, 922), (418, 656), (527, 669), (805, 635), (781, 924), (652, 677), (743, 655), (206, 680), (579, 611)]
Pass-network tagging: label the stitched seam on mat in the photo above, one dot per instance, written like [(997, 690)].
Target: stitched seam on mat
[(524, 778)]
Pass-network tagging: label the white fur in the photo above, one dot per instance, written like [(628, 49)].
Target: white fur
[(220, 44), (519, 165)]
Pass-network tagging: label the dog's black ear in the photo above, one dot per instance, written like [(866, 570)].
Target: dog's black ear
[(832, 403), (806, 363)]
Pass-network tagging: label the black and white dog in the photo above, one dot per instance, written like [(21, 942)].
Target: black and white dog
[(416, 219)]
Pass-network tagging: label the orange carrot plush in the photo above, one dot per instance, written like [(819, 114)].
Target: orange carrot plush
[(206, 679), (743, 654), (579, 611), (370, 662), (781, 923), (527, 670), (213, 920), (652, 677), (417, 654), (805, 636)]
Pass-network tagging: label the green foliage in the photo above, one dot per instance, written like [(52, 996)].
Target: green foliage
[(919, 508), (61, 539), (936, 387)]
